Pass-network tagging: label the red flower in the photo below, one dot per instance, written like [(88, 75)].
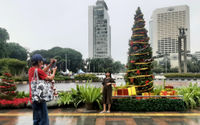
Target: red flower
[(7, 74), (14, 102)]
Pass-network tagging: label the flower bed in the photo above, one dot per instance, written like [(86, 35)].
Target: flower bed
[(15, 103)]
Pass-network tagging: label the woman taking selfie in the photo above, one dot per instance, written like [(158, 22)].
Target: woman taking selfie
[(40, 111), (107, 92)]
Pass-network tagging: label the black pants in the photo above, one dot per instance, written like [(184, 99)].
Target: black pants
[(40, 113)]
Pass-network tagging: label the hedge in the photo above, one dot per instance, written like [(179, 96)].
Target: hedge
[(13, 66), (148, 105), (92, 77), (182, 75), (62, 78)]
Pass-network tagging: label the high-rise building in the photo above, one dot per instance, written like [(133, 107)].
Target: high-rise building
[(99, 36), (164, 30), (197, 55)]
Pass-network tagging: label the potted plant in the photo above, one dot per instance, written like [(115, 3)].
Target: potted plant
[(90, 95)]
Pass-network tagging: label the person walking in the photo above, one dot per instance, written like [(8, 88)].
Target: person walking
[(107, 92), (40, 111)]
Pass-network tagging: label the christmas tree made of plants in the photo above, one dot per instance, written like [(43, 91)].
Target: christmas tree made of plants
[(140, 60), (7, 87)]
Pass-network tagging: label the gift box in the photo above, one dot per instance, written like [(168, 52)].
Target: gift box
[(164, 93), (131, 91), (168, 93), (145, 94), (122, 91), (169, 88), (114, 93)]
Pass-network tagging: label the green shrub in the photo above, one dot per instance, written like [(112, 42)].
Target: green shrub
[(65, 98), (90, 94), (22, 94), (182, 75), (157, 89), (82, 94), (146, 105), (13, 66), (77, 99), (62, 78), (92, 77), (191, 95)]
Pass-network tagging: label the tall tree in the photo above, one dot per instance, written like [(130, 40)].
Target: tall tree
[(72, 57), (104, 65), (4, 36), (16, 51), (140, 57)]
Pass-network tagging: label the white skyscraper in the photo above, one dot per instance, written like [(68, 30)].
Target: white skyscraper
[(99, 36), (164, 26), (164, 30)]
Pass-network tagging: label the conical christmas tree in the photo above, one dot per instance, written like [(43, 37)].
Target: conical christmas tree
[(139, 63), (7, 87)]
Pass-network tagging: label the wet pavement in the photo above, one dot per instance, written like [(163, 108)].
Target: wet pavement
[(82, 117)]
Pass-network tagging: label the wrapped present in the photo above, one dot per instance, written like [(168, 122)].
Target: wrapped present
[(164, 93), (169, 87), (172, 92), (119, 92), (131, 91), (123, 91), (145, 94), (114, 93), (168, 93)]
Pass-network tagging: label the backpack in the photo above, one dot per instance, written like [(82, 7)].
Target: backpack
[(40, 89)]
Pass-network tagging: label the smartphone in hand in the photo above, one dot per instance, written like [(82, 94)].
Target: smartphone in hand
[(53, 65)]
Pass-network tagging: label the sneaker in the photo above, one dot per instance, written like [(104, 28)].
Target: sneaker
[(108, 111), (102, 112)]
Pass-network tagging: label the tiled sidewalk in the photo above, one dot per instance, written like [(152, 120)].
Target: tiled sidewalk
[(69, 117)]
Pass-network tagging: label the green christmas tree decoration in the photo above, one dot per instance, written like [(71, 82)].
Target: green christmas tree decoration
[(7, 87), (140, 59)]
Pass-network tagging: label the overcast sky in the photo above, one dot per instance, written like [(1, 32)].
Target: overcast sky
[(43, 24)]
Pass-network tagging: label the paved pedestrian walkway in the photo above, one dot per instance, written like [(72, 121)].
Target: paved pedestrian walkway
[(69, 117)]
